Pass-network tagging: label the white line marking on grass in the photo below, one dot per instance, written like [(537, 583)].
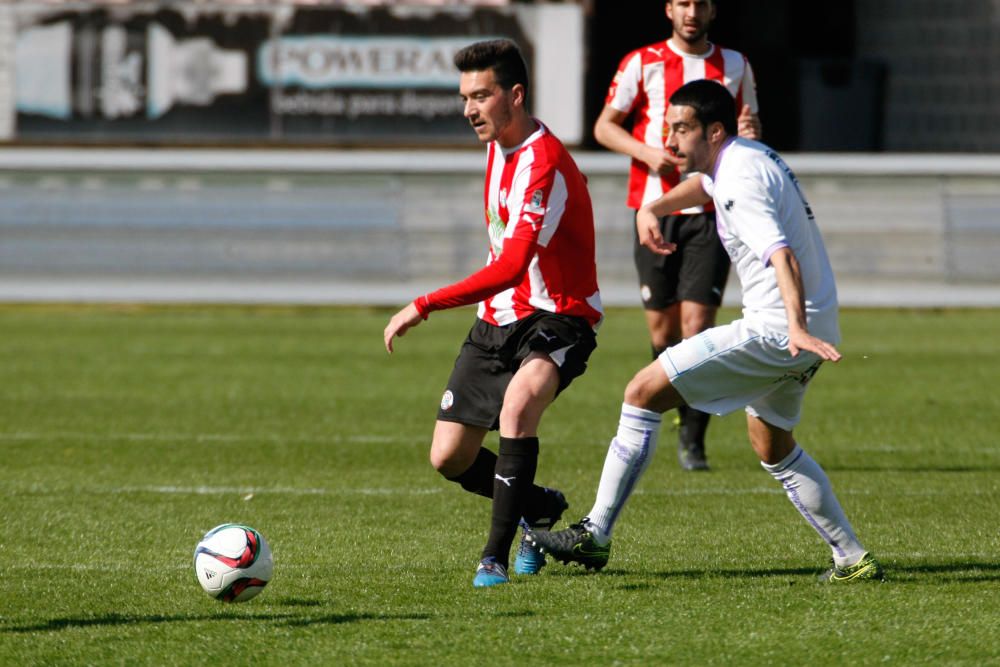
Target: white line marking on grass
[(949, 558), (905, 449), (215, 490), (709, 492), (277, 490), (941, 559), (132, 566), (86, 567), (958, 491), (26, 436), (257, 491)]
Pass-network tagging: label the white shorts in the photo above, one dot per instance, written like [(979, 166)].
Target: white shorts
[(741, 365)]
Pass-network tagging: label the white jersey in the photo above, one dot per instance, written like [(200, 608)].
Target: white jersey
[(760, 209)]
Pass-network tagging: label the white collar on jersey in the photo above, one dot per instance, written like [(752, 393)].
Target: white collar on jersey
[(683, 54), (722, 151), (531, 137)]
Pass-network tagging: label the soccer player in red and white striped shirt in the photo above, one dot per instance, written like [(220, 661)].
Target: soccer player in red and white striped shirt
[(680, 293), (539, 308)]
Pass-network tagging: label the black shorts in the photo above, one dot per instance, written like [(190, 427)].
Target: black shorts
[(491, 355), (697, 271)]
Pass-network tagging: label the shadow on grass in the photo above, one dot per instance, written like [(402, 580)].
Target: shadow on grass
[(337, 619), (287, 620), (298, 602), (956, 572)]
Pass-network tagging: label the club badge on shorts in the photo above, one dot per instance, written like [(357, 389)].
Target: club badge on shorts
[(447, 400)]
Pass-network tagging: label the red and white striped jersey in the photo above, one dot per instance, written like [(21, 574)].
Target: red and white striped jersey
[(535, 192), (642, 87)]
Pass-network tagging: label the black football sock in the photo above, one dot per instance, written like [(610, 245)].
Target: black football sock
[(513, 478), (538, 504), (682, 411), (694, 424), (478, 478)]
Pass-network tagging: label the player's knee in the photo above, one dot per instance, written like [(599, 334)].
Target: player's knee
[(696, 322), (438, 459), (771, 444), (662, 334), (650, 389), (519, 421), (447, 461), (637, 392), (661, 340)]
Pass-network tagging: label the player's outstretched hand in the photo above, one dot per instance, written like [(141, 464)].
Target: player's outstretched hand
[(648, 227), (800, 340), (748, 124), (400, 323)]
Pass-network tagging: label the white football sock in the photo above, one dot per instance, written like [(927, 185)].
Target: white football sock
[(808, 487), (629, 455)]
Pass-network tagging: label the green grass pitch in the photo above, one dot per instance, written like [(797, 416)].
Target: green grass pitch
[(126, 433)]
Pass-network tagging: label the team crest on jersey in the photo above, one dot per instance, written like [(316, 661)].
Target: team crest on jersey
[(497, 228), (503, 197), (447, 400), (535, 205)]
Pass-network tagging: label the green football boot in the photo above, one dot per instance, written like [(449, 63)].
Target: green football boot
[(866, 569)]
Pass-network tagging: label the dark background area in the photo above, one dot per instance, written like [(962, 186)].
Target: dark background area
[(786, 41)]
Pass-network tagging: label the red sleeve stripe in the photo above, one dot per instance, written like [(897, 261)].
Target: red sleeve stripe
[(504, 273)]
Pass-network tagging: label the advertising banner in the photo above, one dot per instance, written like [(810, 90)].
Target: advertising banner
[(383, 75), (113, 75), (203, 74)]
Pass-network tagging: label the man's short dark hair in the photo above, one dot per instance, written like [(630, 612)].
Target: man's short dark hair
[(500, 55), (711, 102)]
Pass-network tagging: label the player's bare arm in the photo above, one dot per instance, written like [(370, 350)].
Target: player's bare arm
[(400, 323), (789, 276), (685, 194), (610, 132), (748, 124)]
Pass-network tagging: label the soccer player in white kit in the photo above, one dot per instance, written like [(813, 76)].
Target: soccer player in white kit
[(682, 292), (762, 362)]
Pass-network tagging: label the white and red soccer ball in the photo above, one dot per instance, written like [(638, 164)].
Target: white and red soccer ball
[(233, 562)]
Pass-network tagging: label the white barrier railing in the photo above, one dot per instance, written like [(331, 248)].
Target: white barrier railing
[(450, 161), (377, 226)]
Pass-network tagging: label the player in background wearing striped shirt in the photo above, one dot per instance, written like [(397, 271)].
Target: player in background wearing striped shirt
[(680, 293), (762, 362), (539, 309)]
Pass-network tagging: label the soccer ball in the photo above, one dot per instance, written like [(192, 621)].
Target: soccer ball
[(233, 562)]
